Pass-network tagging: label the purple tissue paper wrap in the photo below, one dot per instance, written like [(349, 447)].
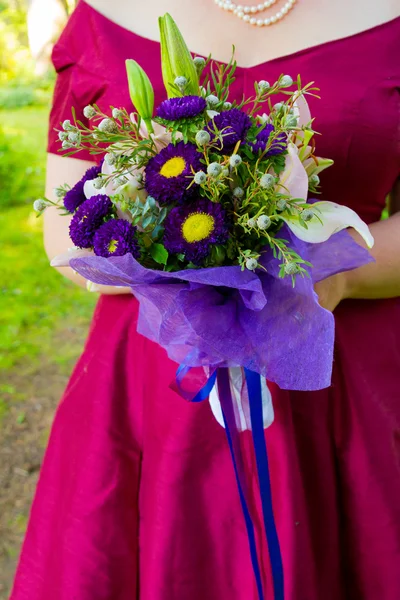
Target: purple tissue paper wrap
[(225, 317)]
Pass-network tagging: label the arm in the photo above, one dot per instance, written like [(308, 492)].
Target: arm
[(62, 170), (380, 279)]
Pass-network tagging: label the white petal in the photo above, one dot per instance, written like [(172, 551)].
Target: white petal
[(264, 118), (301, 110), (293, 180), (334, 217), (212, 113), (132, 189), (89, 190), (161, 136), (62, 260), (240, 398)]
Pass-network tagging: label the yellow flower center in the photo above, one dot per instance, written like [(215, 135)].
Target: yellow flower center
[(173, 167), (112, 246), (197, 227)]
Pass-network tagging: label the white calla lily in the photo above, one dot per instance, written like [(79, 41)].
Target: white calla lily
[(62, 260), (332, 218), (89, 190), (160, 136), (130, 190), (301, 111), (293, 180)]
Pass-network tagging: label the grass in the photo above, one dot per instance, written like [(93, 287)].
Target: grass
[(37, 306)]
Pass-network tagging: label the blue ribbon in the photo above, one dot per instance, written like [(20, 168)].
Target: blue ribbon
[(229, 417), (205, 391), (253, 381)]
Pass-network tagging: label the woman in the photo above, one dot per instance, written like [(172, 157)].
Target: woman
[(137, 497)]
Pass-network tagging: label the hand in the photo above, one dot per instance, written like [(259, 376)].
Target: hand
[(331, 291), (108, 290)]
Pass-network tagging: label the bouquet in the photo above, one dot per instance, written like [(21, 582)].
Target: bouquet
[(202, 206)]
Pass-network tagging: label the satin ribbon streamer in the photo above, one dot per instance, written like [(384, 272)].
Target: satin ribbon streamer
[(253, 381)]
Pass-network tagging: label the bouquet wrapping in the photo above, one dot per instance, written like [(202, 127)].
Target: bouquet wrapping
[(226, 317)]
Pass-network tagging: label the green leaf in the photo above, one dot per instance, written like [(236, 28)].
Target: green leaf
[(151, 201), (157, 231), (21, 418), (147, 221), (218, 255), (146, 208), (159, 254), (162, 215)]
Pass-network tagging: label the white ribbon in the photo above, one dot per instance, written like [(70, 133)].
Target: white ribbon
[(241, 401)]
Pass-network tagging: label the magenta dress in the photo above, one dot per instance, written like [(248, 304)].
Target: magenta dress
[(137, 497)]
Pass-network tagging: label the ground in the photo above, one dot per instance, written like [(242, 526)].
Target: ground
[(43, 324)]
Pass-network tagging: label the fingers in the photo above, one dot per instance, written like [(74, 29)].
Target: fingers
[(107, 289)]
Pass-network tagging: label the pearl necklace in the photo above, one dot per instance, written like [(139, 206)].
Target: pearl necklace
[(245, 12)]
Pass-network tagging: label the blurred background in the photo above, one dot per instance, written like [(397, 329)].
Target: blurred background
[(43, 318)]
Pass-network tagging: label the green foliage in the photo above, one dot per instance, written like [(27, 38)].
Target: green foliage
[(159, 253), (15, 60), (28, 92), (17, 96), (36, 303), (22, 156), (19, 85)]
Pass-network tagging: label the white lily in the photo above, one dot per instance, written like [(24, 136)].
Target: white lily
[(294, 179), (329, 218), (130, 190), (89, 190), (301, 111), (62, 260), (161, 137)]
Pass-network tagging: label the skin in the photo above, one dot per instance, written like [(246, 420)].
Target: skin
[(311, 22)]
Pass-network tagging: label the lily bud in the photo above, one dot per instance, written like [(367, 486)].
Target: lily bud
[(176, 60), (141, 92)]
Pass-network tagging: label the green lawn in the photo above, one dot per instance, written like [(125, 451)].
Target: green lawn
[(36, 303)]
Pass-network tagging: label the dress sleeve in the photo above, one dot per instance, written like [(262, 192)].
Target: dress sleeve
[(75, 88)]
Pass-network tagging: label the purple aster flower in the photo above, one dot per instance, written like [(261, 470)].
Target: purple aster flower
[(278, 145), (233, 124), (88, 218), (75, 196), (116, 238), (168, 174), (192, 229), (181, 108)]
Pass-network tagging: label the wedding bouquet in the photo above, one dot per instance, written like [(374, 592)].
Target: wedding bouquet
[(202, 207)]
